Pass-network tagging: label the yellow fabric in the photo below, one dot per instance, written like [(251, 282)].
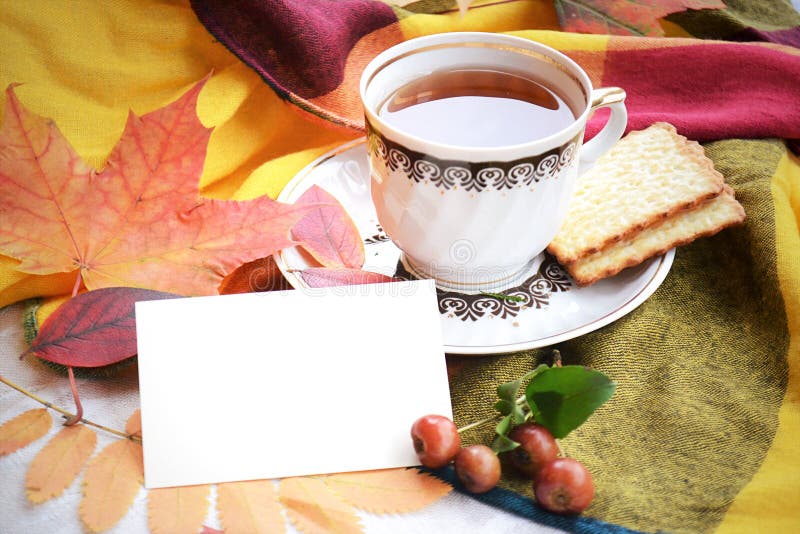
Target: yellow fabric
[(774, 490)]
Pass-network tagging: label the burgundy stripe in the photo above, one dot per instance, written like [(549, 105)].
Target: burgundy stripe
[(709, 91)]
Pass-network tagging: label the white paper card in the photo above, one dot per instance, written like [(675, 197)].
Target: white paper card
[(270, 385)]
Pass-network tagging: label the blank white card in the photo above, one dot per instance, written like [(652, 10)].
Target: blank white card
[(269, 385)]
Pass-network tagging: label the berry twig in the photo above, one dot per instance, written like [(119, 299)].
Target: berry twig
[(65, 413)]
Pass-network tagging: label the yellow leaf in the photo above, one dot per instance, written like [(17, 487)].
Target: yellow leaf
[(134, 425), (112, 480), (59, 462), (313, 508), (249, 507), (24, 429), (388, 491), (177, 510)]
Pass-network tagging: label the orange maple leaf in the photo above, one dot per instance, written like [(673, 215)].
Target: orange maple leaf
[(24, 429), (140, 221)]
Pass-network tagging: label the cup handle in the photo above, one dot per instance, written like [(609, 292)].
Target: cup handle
[(614, 98)]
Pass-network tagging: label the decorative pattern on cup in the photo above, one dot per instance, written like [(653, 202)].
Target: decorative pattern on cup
[(533, 293), (474, 177)]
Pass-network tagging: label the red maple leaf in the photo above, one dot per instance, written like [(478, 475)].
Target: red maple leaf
[(140, 221)]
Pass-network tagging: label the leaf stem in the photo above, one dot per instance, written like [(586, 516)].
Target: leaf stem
[(72, 384), (485, 419), (78, 406), (65, 413)]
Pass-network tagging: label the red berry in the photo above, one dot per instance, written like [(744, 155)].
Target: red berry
[(564, 486), (537, 446), (478, 468), (436, 440)]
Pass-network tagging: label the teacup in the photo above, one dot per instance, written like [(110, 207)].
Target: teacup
[(475, 144)]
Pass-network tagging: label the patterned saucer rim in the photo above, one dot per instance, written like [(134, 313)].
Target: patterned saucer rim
[(298, 184)]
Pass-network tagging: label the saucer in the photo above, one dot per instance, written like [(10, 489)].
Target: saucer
[(545, 309)]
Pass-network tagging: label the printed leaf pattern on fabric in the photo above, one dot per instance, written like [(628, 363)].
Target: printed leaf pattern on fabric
[(328, 233), (314, 509), (388, 491), (177, 510), (140, 221), (632, 17), (59, 462), (112, 480), (24, 429), (249, 507)]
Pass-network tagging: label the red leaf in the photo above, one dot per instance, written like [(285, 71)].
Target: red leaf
[(139, 222), (322, 277), (328, 233), (255, 276), (630, 17), (93, 329)]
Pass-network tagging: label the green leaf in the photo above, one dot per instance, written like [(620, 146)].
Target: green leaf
[(504, 407), (562, 398), (509, 390), (503, 444), (503, 426)]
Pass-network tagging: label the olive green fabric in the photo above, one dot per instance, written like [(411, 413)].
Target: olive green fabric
[(700, 369), (737, 16)]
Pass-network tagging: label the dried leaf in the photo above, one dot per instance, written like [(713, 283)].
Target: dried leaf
[(255, 276), (323, 277), (59, 462), (93, 329), (632, 17), (113, 479), (249, 507), (133, 426), (177, 510), (313, 508), (328, 233), (139, 222), (388, 491), (24, 429), (463, 6)]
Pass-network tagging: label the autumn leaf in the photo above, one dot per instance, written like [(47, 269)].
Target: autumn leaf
[(631, 17), (59, 462), (177, 510), (463, 6), (257, 275), (249, 507), (134, 425), (113, 479), (328, 233), (93, 329), (314, 509), (24, 429), (388, 491), (323, 277), (139, 222)]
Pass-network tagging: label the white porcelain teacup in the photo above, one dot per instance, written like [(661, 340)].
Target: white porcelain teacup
[(477, 213)]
